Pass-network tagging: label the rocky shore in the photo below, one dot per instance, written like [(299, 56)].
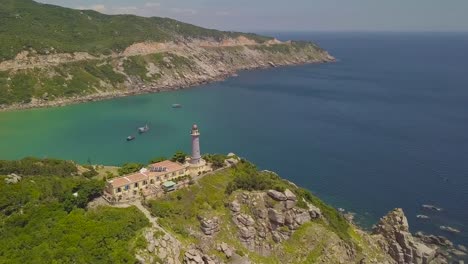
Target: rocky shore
[(162, 68)]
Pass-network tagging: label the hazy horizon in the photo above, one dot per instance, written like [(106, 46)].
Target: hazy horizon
[(300, 16)]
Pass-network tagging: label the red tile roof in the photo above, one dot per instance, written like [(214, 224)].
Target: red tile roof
[(138, 177)]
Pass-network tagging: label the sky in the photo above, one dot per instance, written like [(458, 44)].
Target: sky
[(295, 15)]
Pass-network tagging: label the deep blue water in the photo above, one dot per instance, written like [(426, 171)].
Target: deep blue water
[(386, 126)]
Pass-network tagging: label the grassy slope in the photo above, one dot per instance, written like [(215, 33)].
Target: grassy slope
[(27, 24), (178, 213)]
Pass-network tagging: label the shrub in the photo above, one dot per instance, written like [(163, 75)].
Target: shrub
[(34, 166), (179, 156), (130, 168)]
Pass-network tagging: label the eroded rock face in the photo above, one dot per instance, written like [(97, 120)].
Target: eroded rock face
[(274, 217), (398, 241), (209, 226), (278, 196)]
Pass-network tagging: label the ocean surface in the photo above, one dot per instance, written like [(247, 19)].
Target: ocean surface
[(386, 126)]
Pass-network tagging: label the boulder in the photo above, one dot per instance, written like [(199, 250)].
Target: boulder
[(290, 195), (289, 204), (289, 218), (278, 196), (275, 216), (13, 179), (227, 250), (235, 206), (192, 256), (246, 220), (209, 226), (261, 213), (302, 218), (247, 232), (314, 212)]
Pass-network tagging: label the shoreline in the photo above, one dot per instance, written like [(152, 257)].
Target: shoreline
[(147, 88)]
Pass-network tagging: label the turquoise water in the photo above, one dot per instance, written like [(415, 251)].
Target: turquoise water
[(385, 127)]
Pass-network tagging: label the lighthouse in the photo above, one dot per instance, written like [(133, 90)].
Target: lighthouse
[(196, 157)]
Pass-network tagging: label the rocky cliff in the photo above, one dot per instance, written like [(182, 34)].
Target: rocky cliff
[(32, 80), (234, 217)]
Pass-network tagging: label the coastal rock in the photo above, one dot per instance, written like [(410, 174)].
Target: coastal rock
[(278, 196), (398, 241), (434, 240)]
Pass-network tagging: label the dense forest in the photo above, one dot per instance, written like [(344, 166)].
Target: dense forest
[(44, 219)]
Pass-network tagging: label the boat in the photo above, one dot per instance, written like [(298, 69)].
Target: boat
[(144, 129), (176, 106), (450, 229), (422, 216), (130, 138), (431, 207)]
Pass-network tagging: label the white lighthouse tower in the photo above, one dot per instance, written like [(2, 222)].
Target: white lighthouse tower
[(196, 156), (196, 165)]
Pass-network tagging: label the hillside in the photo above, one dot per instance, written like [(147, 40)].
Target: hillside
[(52, 55), (47, 28), (48, 211)]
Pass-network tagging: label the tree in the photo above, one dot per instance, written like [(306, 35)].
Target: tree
[(179, 156), (130, 168), (157, 159)]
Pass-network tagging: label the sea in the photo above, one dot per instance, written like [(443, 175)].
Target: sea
[(385, 126)]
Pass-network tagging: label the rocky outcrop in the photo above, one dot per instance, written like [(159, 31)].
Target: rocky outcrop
[(226, 249), (194, 256), (13, 179), (274, 217), (159, 246), (278, 196), (394, 237), (209, 226)]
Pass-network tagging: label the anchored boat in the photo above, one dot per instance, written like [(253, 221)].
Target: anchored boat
[(144, 129), (130, 138)]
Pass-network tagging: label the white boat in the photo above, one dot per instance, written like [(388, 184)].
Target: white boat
[(144, 129)]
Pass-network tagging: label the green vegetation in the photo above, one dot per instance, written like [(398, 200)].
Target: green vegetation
[(178, 212), (130, 168), (157, 159), (66, 80), (216, 160), (91, 172), (179, 156), (47, 29), (35, 166), (41, 221)]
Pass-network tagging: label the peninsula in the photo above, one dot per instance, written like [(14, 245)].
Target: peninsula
[(52, 56), (191, 209)]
